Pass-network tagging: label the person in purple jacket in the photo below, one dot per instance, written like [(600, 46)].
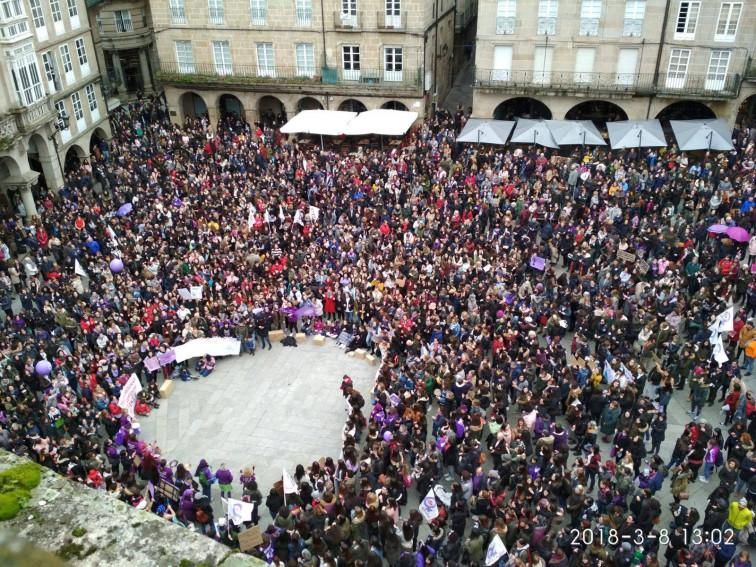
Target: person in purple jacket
[(225, 479)]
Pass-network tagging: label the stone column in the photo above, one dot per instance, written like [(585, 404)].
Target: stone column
[(118, 70), (28, 199), (145, 68), (213, 115), (23, 183)]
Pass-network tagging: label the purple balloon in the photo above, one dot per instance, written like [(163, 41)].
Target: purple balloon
[(387, 436), (116, 265), (43, 367)]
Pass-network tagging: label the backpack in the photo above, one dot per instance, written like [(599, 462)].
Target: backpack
[(663, 470), (752, 539), (719, 459), (202, 516)]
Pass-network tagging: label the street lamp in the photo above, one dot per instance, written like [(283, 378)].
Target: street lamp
[(61, 124)]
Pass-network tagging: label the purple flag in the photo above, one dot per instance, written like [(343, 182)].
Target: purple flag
[(537, 262)]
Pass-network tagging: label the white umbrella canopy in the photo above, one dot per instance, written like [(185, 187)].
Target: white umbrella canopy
[(381, 121), (704, 134), (575, 133), (486, 131), (323, 122), (636, 134), (534, 132)]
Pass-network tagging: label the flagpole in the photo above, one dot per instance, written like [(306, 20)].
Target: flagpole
[(284, 488)]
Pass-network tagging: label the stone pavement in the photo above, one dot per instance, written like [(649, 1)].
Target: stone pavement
[(277, 409)]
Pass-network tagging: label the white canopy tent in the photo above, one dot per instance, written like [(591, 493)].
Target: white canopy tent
[(636, 134), (323, 122), (575, 133), (486, 131), (706, 134), (381, 121), (534, 132)]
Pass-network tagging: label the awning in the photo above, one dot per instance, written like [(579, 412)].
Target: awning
[(636, 134), (703, 134), (481, 131), (381, 121), (323, 122), (575, 133), (534, 132)]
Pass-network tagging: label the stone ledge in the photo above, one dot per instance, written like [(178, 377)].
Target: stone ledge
[(116, 534)]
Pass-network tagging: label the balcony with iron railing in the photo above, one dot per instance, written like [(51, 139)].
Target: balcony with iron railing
[(386, 21), (124, 26), (304, 17), (670, 84), (343, 21), (178, 15), (250, 75), (35, 115)]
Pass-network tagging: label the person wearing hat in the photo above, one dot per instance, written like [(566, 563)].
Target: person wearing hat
[(739, 516)]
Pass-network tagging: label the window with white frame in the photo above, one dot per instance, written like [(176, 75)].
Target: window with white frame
[(57, 16), (185, 56), (51, 71), (716, 74), (81, 51), (259, 12), (547, 16), (305, 59), (679, 59), (217, 14), (627, 62), (687, 19), (502, 63), (635, 12), (91, 97), (393, 64), (590, 16), (98, 20), (729, 18), (12, 9), (178, 11), (222, 57), (350, 62), (37, 15), (266, 62), (26, 78), (393, 17), (543, 62), (78, 109), (65, 57), (304, 13), (585, 57), (348, 13), (73, 14), (123, 21), (506, 12)]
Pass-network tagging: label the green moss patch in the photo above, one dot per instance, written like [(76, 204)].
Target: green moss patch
[(15, 488), (78, 532)]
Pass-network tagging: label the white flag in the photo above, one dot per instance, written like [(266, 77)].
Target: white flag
[(429, 507), (609, 373), (714, 329), (251, 217), (289, 485), (79, 270), (719, 353), (128, 399), (626, 372), (299, 218), (240, 511), (442, 495), (725, 320), (281, 213), (314, 213), (496, 550)]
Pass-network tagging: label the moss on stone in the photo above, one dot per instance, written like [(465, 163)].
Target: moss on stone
[(78, 532), (15, 484), (71, 550)]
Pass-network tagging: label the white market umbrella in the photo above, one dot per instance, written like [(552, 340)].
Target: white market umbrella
[(575, 133), (636, 134), (323, 122), (704, 134), (381, 121), (486, 131), (534, 132)]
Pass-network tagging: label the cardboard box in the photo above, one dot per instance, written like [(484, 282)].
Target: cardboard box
[(371, 360), (166, 389), (350, 354), (276, 336), (360, 353), (301, 338), (319, 340)]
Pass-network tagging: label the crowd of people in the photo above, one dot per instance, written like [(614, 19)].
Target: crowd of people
[(529, 391)]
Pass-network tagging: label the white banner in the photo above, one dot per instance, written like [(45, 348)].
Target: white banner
[(719, 353), (216, 346), (314, 213), (496, 550), (78, 270), (239, 511), (609, 373), (428, 507), (725, 320), (127, 400), (289, 486)]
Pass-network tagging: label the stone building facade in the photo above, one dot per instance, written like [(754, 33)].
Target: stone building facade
[(52, 108), (614, 59)]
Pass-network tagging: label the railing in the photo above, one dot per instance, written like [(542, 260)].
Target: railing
[(178, 15), (304, 17), (8, 128), (217, 16), (124, 26), (172, 72), (30, 117), (385, 21), (109, 83), (343, 21), (707, 86)]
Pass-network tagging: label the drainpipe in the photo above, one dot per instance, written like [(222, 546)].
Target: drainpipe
[(435, 61), (322, 31), (659, 55)]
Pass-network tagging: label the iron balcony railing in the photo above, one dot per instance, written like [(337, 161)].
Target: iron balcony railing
[(124, 26), (391, 21), (708, 86), (259, 16), (217, 16), (172, 72), (347, 21)]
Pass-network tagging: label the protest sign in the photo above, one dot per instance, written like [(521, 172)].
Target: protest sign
[(185, 294), (250, 538), (152, 364), (168, 490), (625, 256), (166, 357), (196, 291), (128, 398), (537, 262)]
